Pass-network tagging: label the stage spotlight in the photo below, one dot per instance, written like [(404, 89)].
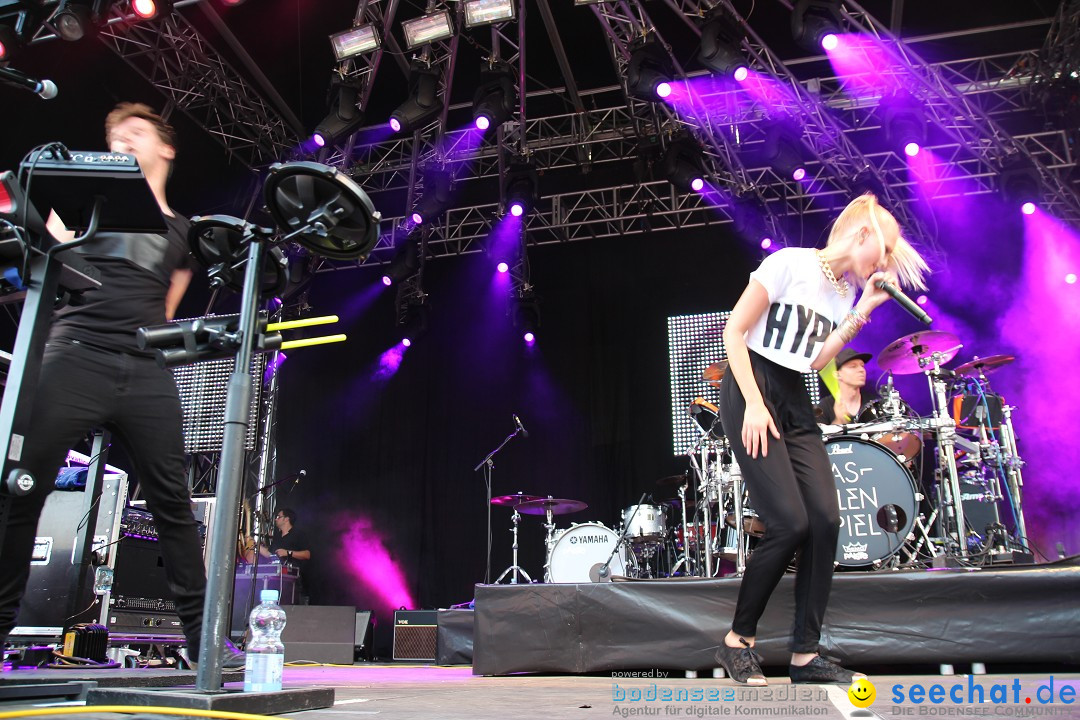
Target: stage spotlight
[(815, 24), (427, 29), (423, 104), (783, 150), (405, 263), (493, 101), (766, 243), (648, 75), (150, 9), (748, 219), (721, 45), (77, 19), (683, 165), (905, 123), (355, 41), (345, 119), (11, 42), (527, 317), (521, 188), (1020, 184), (488, 12), (502, 267), (413, 322), (435, 198)]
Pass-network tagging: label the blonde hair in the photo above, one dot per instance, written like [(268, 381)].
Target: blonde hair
[(905, 260), (126, 110)]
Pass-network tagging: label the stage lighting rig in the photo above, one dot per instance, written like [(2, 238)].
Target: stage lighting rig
[(905, 123), (427, 29), (355, 41), (14, 30), (526, 317), (1020, 184), (413, 317), (521, 188), (78, 19), (150, 9), (649, 72), (683, 165), (783, 151), (748, 218), (488, 12), (423, 105), (815, 24), (345, 118), (721, 45), (493, 101), (435, 199), (405, 263)]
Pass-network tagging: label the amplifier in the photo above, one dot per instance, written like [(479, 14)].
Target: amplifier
[(415, 634)]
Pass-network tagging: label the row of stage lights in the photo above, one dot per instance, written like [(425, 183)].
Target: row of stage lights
[(74, 20)]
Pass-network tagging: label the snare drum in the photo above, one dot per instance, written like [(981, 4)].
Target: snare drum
[(707, 416), (878, 501), (578, 554), (644, 522), (903, 443)]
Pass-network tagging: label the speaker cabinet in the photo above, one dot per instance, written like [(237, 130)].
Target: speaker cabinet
[(415, 634), (364, 636), (320, 633)]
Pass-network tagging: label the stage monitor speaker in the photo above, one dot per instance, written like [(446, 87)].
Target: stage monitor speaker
[(364, 636), (320, 633), (415, 634)]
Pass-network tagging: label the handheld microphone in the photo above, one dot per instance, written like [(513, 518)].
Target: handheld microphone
[(905, 302), (517, 421), (46, 89)]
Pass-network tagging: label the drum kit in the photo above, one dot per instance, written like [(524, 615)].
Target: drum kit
[(964, 509)]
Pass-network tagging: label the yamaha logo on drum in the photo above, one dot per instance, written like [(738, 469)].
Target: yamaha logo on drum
[(588, 539)]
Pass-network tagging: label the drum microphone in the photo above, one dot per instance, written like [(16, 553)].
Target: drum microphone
[(520, 427), (299, 475), (46, 89), (905, 302)]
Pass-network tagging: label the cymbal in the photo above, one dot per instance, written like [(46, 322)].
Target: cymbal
[(902, 356), (714, 373), (672, 480), (515, 499), (984, 365), (556, 505)]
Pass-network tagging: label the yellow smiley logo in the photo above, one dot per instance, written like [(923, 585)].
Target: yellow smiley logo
[(862, 693)]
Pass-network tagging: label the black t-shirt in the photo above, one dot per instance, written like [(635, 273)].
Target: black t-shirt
[(825, 411), (136, 271), (295, 540)]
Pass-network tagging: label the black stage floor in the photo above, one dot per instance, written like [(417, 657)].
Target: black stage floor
[(1002, 615)]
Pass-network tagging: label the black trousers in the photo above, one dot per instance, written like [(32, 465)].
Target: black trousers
[(794, 494), (84, 387)]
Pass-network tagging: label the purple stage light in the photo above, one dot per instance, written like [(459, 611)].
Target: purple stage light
[(406, 342), (799, 174), (318, 139), (483, 122), (502, 267), (530, 338), (395, 124), (517, 209), (830, 42), (417, 218), (912, 149), (741, 73), (1070, 279), (766, 243), (663, 89), (922, 299), (387, 281), (1028, 208), (697, 184)]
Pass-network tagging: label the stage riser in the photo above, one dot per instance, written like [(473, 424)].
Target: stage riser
[(945, 616)]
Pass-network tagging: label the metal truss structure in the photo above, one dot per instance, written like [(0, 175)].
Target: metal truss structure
[(173, 56)]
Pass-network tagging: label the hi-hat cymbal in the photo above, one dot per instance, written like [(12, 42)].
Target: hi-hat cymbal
[(903, 356), (672, 480), (714, 373), (556, 505), (515, 499), (984, 365)]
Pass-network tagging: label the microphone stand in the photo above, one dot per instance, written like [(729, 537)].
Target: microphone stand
[(489, 465), (605, 569)]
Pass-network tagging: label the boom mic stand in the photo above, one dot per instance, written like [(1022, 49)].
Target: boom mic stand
[(489, 465), (605, 569)]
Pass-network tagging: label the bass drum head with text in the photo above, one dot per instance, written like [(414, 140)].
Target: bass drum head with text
[(877, 499), (579, 553)]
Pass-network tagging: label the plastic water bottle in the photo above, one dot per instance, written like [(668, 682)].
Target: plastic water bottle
[(265, 652)]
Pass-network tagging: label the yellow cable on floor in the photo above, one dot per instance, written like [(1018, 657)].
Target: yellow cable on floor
[(151, 709)]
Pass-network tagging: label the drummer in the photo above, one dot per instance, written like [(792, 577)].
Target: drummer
[(851, 377)]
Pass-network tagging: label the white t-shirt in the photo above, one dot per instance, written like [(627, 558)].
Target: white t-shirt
[(803, 309)]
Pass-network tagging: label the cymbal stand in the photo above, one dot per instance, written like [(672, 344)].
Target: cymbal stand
[(945, 431), (1013, 463), (732, 475), (549, 541), (517, 569), (704, 484)]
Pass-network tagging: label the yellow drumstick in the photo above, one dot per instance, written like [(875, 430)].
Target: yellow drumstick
[(302, 323), (291, 344)]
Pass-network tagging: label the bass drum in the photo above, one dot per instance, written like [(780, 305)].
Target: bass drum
[(578, 554), (878, 501)]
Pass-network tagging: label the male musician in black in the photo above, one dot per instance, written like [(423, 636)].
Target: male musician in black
[(289, 545), (93, 375), (851, 377)]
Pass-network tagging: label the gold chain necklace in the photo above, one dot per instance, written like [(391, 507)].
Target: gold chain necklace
[(840, 286)]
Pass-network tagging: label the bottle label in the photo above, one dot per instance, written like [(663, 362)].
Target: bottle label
[(262, 672)]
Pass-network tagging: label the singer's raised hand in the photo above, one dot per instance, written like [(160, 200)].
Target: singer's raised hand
[(873, 296)]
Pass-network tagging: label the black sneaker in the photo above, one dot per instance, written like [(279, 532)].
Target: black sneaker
[(232, 658), (741, 664), (822, 670)]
